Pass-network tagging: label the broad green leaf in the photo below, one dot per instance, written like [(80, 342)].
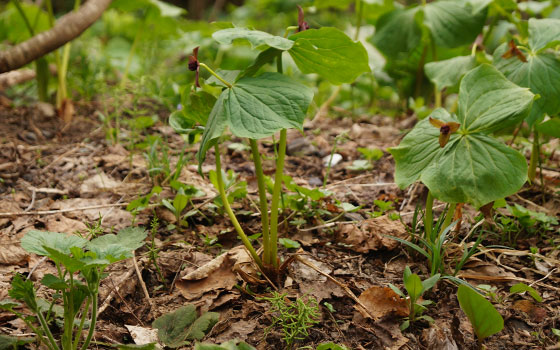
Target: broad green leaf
[(71, 263), (543, 33), (452, 23), (196, 106), (475, 169), (413, 286), (487, 100), (227, 75), (483, 316), (255, 37), (54, 282), (418, 149), (8, 342), (541, 74), (428, 283), (35, 241), (522, 287), (217, 123), (550, 127), (330, 53), (176, 327), (119, 246), (266, 56), (398, 32), (449, 72)]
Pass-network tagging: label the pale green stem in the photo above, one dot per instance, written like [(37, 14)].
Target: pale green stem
[(289, 29), (82, 322), (215, 74), (535, 154), (227, 207), (429, 216), (262, 196), (276, 198), (92, 321), (437, 93), (45, 327), (359, 8), (63, 69)]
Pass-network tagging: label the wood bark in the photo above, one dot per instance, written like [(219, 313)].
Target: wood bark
[(67, 28)]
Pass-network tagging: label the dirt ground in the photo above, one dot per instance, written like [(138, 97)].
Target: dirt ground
[(67, 181)]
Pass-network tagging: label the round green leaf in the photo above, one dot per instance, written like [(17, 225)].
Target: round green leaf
[(398, 32), (543, 33), (255, 37), (483, 316), (452, 23), (36, 241), (541, 74), (449, 72), (329, 53)]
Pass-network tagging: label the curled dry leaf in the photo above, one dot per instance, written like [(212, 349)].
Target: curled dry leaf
[(439, 337), (371, 234), (12, 254), (536, 313), (381, 302)]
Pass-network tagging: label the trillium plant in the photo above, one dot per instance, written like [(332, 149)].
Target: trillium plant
[(456, 157), (256, 106)]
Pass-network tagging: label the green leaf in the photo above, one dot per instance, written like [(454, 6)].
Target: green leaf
[(227, 75), (255, 37), (522, 287), (398, 32), (257, 107), (428, 283), (483, 316), (8, 304), (229, 345), (487, 100), (148, 346), (265, 57), (8, 342), (543, 33), (413, 286), (453, 24), (176, 327), (23, 290), (119, 246), (288, 243), (35, 241), (449, 72), (541, 74), (331, 346), (550, 127), (72, 264), (54, 282), (197, 106), (330, 53)]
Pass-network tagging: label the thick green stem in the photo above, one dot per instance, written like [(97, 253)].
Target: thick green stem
[(359, 15), (278, 177), (429, 216), (92, 321), (227, 207), (262, 196), (81, 326), (535, 154), (437, 94), (45, 327), (448, 217)]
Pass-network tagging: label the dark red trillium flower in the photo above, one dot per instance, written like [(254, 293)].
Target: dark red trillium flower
[(445, 130), (514, 51), (302, 25), (193, 64)]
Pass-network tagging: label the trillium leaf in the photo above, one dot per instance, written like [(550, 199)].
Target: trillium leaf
[(255, 37), (452, 23), (330, 53), (550, 127), (483, 316), (256, 107), (543, 33), (398, 32), (541, 74), (419, 148), (449, 72), (476, 169), (488, 101)]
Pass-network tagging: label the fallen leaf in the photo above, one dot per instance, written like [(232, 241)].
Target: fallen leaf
[(214, 275), (381, 302), (439, 338), (143, 335), (13, 254), (371, 234), (66, 110), (536, 313), (239, 329), (98, 182)]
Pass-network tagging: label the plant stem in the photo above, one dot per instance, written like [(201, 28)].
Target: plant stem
[(535, 154), (276, 197), (92, 321), (45, 327), (359, 8), (429, 216), (62, 92), (216, 75), (133, 49), (81, 326), (262, 197), (230, 213), (448, 216)]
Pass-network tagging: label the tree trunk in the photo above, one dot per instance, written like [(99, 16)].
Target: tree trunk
[(67, 28)]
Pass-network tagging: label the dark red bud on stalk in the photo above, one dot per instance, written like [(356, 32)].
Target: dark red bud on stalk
[(514, 52), (302, 25), (194, 66), (445, 130)]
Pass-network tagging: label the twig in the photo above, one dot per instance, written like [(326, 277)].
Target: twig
[(142, 284), (56, 211), (30, 206), (111, 295)]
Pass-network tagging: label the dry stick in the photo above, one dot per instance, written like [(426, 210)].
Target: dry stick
[(111, 295), (340, 284), (56, 211), (142, 284)]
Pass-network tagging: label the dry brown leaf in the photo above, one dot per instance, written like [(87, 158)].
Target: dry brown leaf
[(239, 329), (371, 234), (215, 275), (98, 182), (143, 335), (60, 223), (66, 110), (476, 267), (381, 302), (536, 313), (13, 254), (439, 338)]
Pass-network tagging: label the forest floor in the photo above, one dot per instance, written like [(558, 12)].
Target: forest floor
[(71, 180)]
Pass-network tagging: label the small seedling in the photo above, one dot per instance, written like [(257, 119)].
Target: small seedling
[(295, 317), (415, 288), (485, 319)]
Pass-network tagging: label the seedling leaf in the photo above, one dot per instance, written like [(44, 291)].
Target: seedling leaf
[(522, 287), (483, 316)]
